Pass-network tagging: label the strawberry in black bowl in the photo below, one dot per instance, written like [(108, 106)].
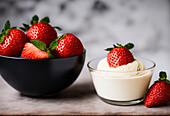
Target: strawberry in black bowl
[(39, 63)]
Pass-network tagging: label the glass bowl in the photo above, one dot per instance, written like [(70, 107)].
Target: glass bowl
[(121, 88)]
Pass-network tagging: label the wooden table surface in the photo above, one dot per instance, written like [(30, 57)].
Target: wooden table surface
[(78, 99)]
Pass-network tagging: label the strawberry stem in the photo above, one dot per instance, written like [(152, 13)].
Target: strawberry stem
[(45, 20), (58, 28), (5, 31), (26, 26), (119, 45), (35, 19), (127, 46), (108, 49), (7, 25), (163, 77)]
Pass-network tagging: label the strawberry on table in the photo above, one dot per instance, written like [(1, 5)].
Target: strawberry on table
[(36, 50), (159, 92), (41, 31), (66, 45), (12, 41), (120, 55)]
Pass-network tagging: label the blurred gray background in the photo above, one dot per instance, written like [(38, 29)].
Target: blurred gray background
[(100, 23)]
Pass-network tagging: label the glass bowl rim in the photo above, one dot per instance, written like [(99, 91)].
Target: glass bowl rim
[(147, 69)]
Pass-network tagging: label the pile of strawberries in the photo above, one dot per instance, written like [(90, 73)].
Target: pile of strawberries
[(39, 42)]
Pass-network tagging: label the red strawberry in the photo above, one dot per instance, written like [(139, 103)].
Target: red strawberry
[(35, 50), (12, 41), (41, 31), (159, 92), (120, 55), (66, 45)]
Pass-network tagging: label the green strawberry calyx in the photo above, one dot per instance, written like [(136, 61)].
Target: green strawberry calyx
[(54, 44), (42, 46), (35, 19), (127, 46), (5, 31), (163, 77)]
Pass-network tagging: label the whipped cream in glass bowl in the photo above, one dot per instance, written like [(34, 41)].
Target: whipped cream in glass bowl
[(124, 85)]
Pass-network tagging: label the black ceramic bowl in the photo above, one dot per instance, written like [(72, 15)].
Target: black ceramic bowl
[(41, 77)]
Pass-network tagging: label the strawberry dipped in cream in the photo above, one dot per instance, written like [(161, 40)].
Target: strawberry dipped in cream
[(120, 59), (120, 76)]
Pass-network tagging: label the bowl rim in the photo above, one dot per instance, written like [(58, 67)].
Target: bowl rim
[(147, 69), (19, 58)]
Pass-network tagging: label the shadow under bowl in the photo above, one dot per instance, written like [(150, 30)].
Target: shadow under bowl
[(41, 77)]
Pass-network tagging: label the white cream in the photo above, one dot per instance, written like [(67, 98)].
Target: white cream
[(124, 83), (136, 65)]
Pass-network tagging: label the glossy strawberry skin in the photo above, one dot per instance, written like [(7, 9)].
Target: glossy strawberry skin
[(42, 32), (119, 56), (32, 52), (158, 94), (13, 43), (70, 45)]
